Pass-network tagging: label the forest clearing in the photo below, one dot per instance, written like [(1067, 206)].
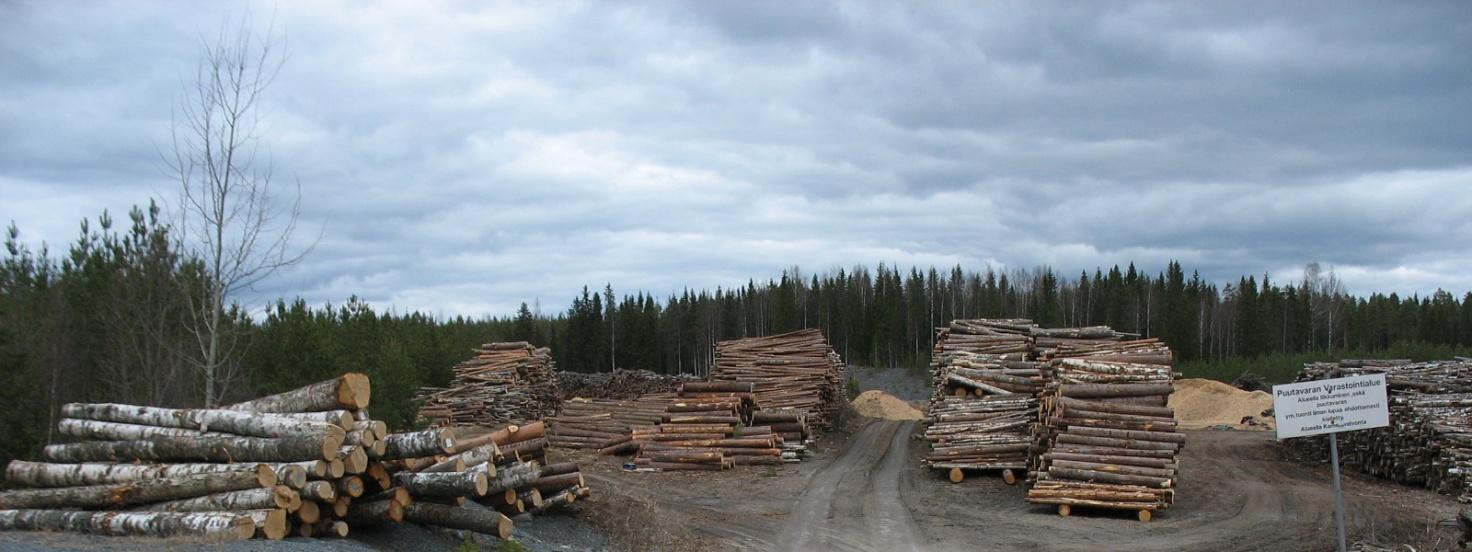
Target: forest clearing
[(1034, 438)]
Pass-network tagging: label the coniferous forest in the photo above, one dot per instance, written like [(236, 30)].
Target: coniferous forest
[(106, 320)]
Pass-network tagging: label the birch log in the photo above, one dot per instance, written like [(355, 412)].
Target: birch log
[(219, 526), (469, 518), (418, 444), (249, 424), (202, 449), (137, 492), (349, 391), (42, 474), (269, 523), (369, 514), (278, 497), (470, 483)]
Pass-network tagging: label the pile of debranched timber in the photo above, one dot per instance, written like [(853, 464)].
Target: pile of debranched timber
[(618, 384), (503, 383), (307, 462), (1106, 438), (1429, 440), (704, 428), (984, 402), (601, 423), (792, 371)]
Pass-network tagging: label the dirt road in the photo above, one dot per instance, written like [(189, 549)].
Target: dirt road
[(869, 492), (853, 503)]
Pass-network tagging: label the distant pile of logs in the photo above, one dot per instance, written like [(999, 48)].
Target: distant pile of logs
[(600, 423), (797, 371), (703, 429), (503, 383), (618, 384), (1106, 438), (307, 462), (984, 404), (1429, 441)]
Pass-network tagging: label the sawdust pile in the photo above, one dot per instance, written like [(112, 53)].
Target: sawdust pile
[(878, 404), (1201, 403)]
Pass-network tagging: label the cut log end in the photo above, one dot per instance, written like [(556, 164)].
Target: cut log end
[(309, 512), (957, 475), (1064, 510), (1144, 515), (1009, 477), (273, 525), (354, 391)]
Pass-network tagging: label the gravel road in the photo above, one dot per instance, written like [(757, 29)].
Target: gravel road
[(852, 503)]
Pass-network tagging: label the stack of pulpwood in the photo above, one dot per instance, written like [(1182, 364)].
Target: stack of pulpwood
[(704, 428), (503, 383), (601, 423), (1429, 440), (792, 372), (985, 402), (307, 462), (1106, 438), (618, 384)]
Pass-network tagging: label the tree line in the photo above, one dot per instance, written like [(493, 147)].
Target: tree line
[(108, 320)]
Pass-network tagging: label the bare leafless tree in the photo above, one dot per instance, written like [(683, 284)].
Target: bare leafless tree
[(227, 207)]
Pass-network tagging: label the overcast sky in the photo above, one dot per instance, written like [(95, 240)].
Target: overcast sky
[(460, 159)]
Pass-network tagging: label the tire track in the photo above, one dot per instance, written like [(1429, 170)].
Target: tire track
[(853, 503)]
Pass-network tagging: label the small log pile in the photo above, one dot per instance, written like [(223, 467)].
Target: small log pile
[(1106, 438), (703, 429), (503, 383), (1429, 440), (618, 384), (792, 371), (984, 404), (307, 462), (601, 423)]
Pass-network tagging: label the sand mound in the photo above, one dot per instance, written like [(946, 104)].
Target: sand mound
[(878, 404), (1203, 403)]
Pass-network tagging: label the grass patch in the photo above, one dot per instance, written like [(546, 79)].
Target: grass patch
[(1281, 368)]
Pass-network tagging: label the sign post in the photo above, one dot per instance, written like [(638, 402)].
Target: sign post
[(1332, 406)]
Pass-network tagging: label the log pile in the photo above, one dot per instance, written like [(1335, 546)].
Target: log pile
[(601, 423), (984, 402), (704, 428), (503, 383), (793, 371), (307, 462), (618, 384), (1429, 440), (1106, 438)]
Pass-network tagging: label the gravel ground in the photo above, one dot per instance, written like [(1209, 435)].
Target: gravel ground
[(557, 532)]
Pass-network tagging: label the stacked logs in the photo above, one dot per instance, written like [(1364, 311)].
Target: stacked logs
[(704, 429), (984, 404), (618, 384), (1106, 438), (602, 423), (796, 371), (1429, 440), (513, 459), (503, 383), (307, 462)]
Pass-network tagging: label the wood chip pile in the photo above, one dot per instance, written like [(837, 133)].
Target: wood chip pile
[(985, 402), (618, 384), (309, 462), (1429, 441), (796, 371), (503, 383), (586, 423), (1106, 438)]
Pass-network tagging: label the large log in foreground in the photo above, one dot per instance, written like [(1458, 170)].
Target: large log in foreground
[(219, 526), (137, 492), (350, 391), (209, 448)]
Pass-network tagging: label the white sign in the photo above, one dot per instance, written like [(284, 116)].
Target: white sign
[(1331, 406)]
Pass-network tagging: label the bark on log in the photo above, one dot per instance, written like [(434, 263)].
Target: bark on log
[(200, 449), (350, 391), (321, 491), (136, 492), (514, 476), (418, 444), (278, 497), (218, 526), (369, 514), (42, 474), (470, 483), (248, 424), (470, 518)]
